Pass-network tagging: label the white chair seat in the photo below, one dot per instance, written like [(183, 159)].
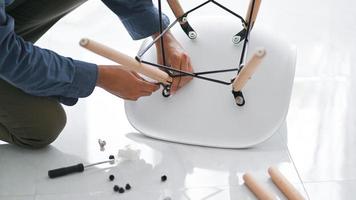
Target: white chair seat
[(204, 113)]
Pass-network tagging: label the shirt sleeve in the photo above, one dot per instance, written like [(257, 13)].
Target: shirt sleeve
[(140, 17), (42, 72)]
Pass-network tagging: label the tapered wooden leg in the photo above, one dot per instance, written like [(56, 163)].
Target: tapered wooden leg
[(126, 61), (257, 188), (284, 185)]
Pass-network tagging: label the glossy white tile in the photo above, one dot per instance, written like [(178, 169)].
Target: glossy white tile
[(17, 169), (321, 120), (192, 171), (332, 190), (17, 197)]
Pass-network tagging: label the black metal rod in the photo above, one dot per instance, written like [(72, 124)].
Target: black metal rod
[(197, 7), (230, 11), (144, 50), (242, 58), (198, 74), (160, 31), (217, 71), (186, 73), (210, 72), (167, 68)]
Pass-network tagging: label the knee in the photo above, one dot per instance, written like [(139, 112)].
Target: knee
[(45, 129)]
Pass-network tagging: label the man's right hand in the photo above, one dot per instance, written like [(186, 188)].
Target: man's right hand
[(122, 83)]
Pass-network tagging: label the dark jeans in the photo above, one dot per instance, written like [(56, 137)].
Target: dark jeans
[(26, 120)]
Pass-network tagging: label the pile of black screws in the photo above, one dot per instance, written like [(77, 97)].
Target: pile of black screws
[(121, 190), (118, 188)]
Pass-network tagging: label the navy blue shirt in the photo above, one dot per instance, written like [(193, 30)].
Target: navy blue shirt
[(42, 72)]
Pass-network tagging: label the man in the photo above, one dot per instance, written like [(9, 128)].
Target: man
[(34, 81)]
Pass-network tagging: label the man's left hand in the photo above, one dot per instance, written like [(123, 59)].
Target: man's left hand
[(176, 57)]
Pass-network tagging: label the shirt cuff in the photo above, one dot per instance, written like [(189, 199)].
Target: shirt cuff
[(68, 101), (83, 84), (144, 24)]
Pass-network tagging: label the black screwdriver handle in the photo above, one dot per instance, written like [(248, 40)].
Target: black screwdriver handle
[(54, 173)]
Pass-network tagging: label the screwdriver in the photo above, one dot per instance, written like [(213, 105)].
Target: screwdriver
[(54, 173)]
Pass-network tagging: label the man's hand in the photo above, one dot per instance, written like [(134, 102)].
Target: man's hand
[(175, 57), (125, 84)]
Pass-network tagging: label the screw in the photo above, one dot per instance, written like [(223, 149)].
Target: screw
[(121, 190), (127, 186), (163, 178), (102, 144)]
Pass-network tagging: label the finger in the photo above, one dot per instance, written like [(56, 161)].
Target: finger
[(145, 93), (185, 67), (176, 63), (142, 94), (185, 64), (148, 87), (118, 95), (131, 98), (186, 79), (137, 75), (190, 67)]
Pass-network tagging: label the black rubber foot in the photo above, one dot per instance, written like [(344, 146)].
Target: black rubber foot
[(239, 98), (166, 92), (239, 37), (189, 31)]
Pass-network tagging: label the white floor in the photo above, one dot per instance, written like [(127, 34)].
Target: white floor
[(319, 133)]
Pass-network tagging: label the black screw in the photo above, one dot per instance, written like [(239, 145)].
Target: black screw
[(111, 157), (127, 186), (121, 190), (163, 178), (111, 177), (116, 188)]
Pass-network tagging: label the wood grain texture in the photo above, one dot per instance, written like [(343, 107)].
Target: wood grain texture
[(248, 70), (126, 61), (284, 185), (257, 188)]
